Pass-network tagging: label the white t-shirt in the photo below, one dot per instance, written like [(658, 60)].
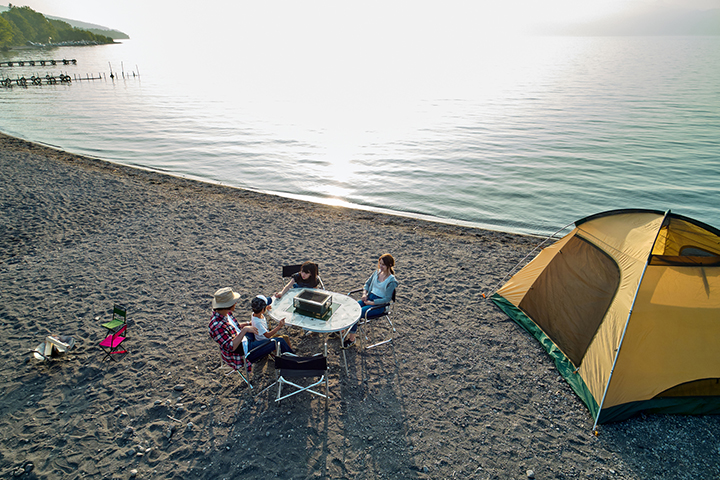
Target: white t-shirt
[(261, 325)]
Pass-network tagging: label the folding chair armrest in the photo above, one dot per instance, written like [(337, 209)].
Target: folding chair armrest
[(375, 307), (354, 291), (251, 351), (278, 351)]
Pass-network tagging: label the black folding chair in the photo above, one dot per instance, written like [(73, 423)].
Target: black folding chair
[(289, 365), (290, 270), (244, 369), (373, 314)]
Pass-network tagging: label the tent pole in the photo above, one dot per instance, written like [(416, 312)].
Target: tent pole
[(495, 289), (622, 337)]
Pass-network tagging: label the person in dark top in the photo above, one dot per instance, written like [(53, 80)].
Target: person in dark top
[(307, 277)]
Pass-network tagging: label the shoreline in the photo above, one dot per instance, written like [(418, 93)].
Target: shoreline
[(461, 392), (426, 220)]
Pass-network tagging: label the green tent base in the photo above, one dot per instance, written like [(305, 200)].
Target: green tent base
[(564, 366), (663, 405)]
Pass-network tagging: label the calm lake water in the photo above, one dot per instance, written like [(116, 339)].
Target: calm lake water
[(521, 134)]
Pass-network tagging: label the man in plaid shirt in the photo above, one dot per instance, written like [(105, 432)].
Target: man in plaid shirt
[(229, 334)]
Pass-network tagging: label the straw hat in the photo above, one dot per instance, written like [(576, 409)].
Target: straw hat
[(225, 298)]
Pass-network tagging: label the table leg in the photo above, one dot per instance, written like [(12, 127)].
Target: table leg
[(343, 336)]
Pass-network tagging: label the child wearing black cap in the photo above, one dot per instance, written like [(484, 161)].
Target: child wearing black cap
[(260, 305)]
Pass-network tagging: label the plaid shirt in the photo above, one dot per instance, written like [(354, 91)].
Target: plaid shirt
[(223, 333)]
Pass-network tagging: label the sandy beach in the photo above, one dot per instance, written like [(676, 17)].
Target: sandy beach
[(462, 391)]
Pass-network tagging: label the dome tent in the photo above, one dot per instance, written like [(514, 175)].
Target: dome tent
[(628, 306)]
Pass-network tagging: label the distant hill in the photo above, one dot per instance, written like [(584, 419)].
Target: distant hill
[(91, 27)]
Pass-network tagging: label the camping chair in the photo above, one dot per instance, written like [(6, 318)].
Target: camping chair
[(375, 313), (111, 344), (289, 365), (290, 270), (244, 370), (119, 318)]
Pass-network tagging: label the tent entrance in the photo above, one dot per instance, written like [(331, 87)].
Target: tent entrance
[(569, 299)]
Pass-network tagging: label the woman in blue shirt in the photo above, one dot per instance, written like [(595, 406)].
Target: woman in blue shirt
[(378, 290)]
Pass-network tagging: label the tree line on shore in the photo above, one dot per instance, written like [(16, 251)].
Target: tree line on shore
[(23, 25)]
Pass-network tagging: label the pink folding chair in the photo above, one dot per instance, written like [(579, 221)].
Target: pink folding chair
[(112, 343)]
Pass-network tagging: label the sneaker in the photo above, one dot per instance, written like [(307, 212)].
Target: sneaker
[(349, 343)]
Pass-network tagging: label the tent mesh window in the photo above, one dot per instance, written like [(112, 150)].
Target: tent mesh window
[(570, 297), (695, 252), (684, 243)]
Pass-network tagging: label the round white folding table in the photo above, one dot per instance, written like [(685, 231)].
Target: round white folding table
[(345, 313)]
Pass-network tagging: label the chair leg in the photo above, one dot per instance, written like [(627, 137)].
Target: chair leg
[(300, 388), (247, 373), (342, 341), (390, 322), (327, 391), (267, 388), (276, 375), (232, 370), (109, 354), (280, 384), (387, 340), (244, 378)]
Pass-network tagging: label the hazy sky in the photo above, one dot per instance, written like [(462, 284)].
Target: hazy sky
[(136, 17)]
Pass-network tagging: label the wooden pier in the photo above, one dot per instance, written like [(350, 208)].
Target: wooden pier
[(47, 80), (33, 63), (62, 78)]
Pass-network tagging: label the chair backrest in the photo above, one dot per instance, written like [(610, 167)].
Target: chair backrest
[(290, 270), (290, 365), (119, 313)]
